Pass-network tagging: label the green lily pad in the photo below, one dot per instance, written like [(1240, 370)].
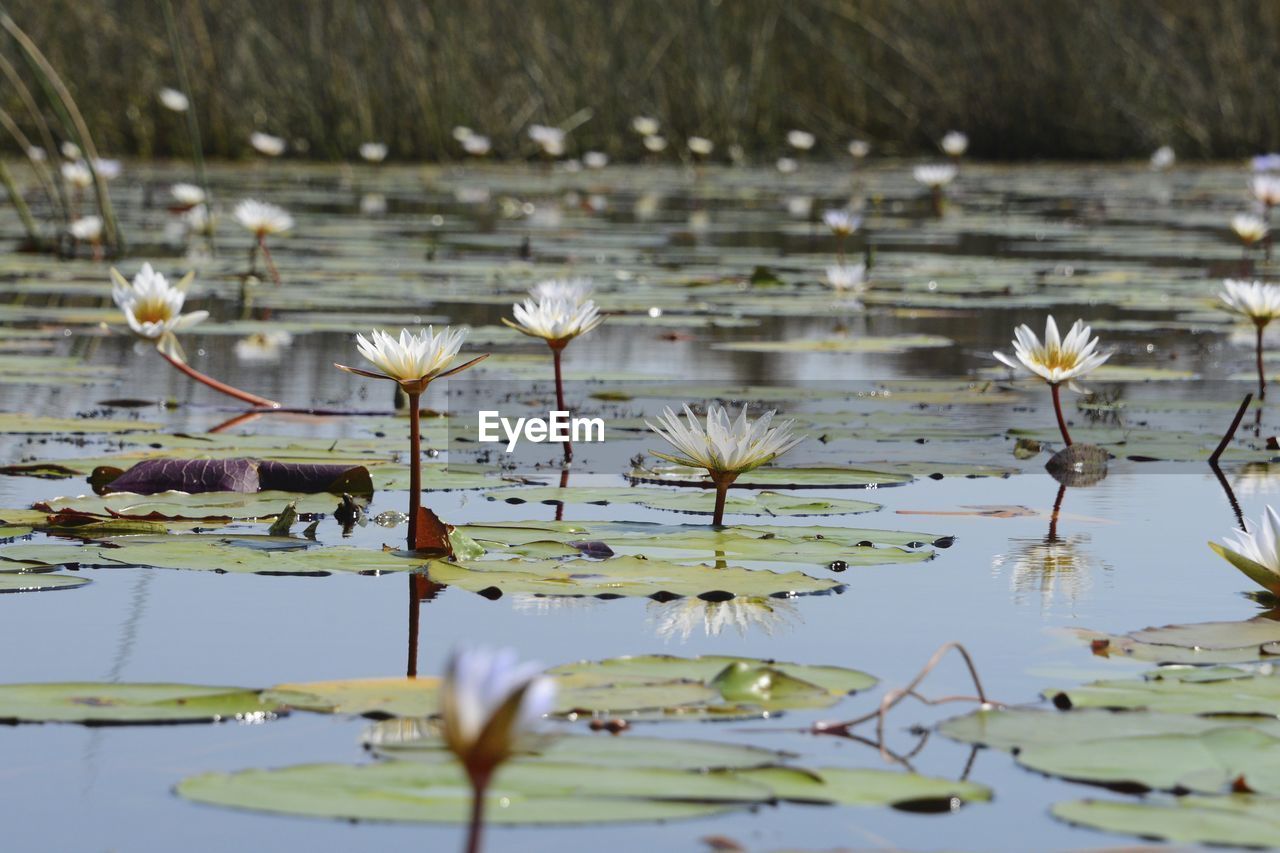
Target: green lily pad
[(867, 787), (38, 581), (1196, 643), (1182, 690), (181, 506), (855, 344), (761, 503), (97, 703), (21, 423), (1240, 820)]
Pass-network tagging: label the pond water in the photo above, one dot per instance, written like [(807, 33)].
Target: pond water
[(1137, 254)]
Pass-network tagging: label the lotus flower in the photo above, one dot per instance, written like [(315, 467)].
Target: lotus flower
[(595, 159), (1163, 158), (1256, 551), (841, 222), (488, 703), (859, 149), (549, 139), (725, 448), (655, 144), (954, 143), (77, 174), (800, 140), (1266, 189), (1249, 228), (555, 319), (1057, 360), (263, 220), (645, 126), (1258, 302), (266, 144), (153, 307), (934, 176), (174, 100), (86, 229), (700, 145), (844, 277), (373, 152), (187, 195)]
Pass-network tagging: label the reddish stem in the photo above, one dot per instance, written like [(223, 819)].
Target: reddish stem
[(271, 264), (221, 387), (1262, 376), (1057, 410), (476, 827), (555, 357), (415, 467)]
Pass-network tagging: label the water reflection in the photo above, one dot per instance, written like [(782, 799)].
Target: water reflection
[(1052, 568), (682, 618)]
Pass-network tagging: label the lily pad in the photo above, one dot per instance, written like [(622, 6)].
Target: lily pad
[(867, 787), (853, 344), (1182, 690), (38, 581), (761, 503), (98, 703), (1240, 820), (1195, 643)]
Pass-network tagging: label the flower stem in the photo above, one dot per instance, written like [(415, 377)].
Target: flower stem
[(936, 194), (271, 264), (222, 387), (415, 467), (253, 258), (1057, 410), (476, 828), (1262, 376), (555, 357), (722, 480)]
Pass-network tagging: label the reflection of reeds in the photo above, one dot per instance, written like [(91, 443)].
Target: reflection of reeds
[(1025, 77)]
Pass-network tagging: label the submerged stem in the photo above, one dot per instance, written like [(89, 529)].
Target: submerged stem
[(221, 387), (1057, 410)]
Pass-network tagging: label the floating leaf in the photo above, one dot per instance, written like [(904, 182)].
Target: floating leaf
[(759, 503), (98, 703), (1240, 820)]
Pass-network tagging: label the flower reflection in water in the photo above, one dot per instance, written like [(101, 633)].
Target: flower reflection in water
[(682, 618), (1053, 568)]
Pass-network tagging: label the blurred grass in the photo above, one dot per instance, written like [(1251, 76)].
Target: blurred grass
[(1025, 78)]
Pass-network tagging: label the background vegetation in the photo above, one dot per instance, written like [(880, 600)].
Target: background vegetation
[(1025, 78)]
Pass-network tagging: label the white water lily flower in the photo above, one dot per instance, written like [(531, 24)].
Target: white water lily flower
[(263, 346), (108, 169), (645, 126), (36, 154), (77, 174), (1265, 163), (153, 307), (724, 446), (841, 222), (655, 144), (800, 140), (555, 319), (174, 100), (572, 290), (414, 361), (847, 276), (549, 139), (787, 165), (187, 195), (87, 229), (684, 617), (488, 703), (1163, 158), (1256, 551), (859, 149), (461, 132), (955, 143), (262, 218), (595, 159), (476, 145), (1256, 300), (199, 220), (265, 143), (70, 150), (1266, 189), (1249, 228), (700, 145), (1058, 359), (934, 175), (373, 152)]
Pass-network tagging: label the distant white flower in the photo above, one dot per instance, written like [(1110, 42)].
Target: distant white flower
[(595, 159), (488, 703), (934, 176), (77, 174), (1249, 228), (152, 306), (373, 152), (411, 360), (1266, 189), (263, 346), (262, 218), (549, 139), (174, 100), (859, 149), (1252, 299), (373, 204), (555, 319), (461, 132), (700, 145), (476, 145), (954, 144), (787, 165), (1256, 551), (841, 222), (645, 126), (70, 150), (187, 195), (724, 445), (800, 206), (800, 140), (1058, 359), (199, 221), (108, 169), (847, 276), (572, 290), (1163, 158), (36, 154), (655, 144), (1265, 163), (266, 144), (86, 229)]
